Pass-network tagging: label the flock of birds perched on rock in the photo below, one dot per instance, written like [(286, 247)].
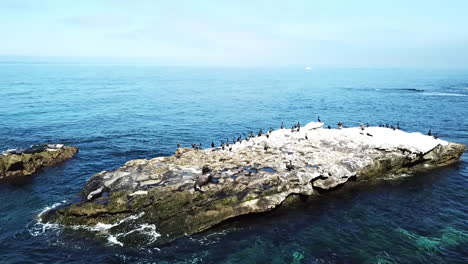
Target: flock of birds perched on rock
[(296, 127), (206, 177)]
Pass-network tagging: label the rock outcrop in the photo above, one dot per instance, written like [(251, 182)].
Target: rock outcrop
[(248, 177), (25, 162)]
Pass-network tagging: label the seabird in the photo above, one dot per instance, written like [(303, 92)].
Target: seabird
[(212, 144), (429, 133), (392, 127), (306, 137), (329, 127), (398, 125), (282, 125), (318, 119), (260, 133), (290, 166), (178, 144)]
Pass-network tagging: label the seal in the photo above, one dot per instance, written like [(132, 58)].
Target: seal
[(203, 179)]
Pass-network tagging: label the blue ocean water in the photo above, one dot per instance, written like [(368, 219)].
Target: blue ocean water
[(115, 113)]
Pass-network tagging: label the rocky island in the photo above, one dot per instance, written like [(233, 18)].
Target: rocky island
[(195, 189), (25, 162)]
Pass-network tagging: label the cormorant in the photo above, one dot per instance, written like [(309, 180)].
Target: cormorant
[(290, 166), (436, 136), (268, 135), (398, 125), (282, 125), (306, 137), (178, 144), (212, 144), (329, 127), (260, 133), (429, 133), (318, 119), (271, 130), (392, 127)]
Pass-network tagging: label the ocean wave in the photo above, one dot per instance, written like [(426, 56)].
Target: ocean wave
[(411, 89), (39, 227), (48, 208), (446, 94), (101, 227), (386, 89), (148, 230)]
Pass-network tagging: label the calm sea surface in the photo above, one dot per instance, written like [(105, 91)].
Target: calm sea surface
[(115, 113)]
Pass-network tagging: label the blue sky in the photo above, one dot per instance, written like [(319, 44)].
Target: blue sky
[(333, 33)]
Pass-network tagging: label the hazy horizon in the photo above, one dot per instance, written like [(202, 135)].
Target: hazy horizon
[(397, 34)]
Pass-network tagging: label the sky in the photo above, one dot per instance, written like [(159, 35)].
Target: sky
[(332, 33)]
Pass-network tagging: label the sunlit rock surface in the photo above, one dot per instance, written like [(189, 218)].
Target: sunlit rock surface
[(251, 177), (25, 162)]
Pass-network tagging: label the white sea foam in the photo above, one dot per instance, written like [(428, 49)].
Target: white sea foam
[(148, 230), (145, 229), (113, 241), (100, 227)]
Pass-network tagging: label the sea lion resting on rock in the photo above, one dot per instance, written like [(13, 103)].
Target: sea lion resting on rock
[(203, 179)]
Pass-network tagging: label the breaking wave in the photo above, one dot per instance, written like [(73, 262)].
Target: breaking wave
[(148, 230)]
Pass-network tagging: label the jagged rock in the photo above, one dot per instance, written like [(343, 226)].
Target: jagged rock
[(250, 178), (25, 162)]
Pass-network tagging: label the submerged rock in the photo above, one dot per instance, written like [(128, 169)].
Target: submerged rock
[(25, 162), (173, 193)]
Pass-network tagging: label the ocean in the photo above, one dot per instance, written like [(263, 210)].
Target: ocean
[(115, 113)]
